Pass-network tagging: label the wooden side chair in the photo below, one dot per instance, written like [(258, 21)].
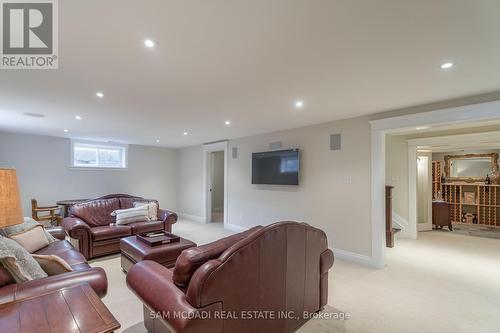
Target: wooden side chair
[(48, 213)]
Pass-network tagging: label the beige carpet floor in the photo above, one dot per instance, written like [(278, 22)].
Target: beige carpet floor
[(441, 283)]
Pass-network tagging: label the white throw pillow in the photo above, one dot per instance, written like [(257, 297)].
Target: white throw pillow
[(152, 209), (130, 215), (32, 239)]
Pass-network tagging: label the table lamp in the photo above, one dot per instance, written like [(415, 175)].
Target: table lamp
[(10, 201)]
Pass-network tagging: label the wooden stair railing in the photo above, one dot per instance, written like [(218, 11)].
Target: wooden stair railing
[(389, 230)]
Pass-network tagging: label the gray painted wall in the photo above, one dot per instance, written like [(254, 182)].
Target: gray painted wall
[(325, 198), (42, 165), (190, 182)]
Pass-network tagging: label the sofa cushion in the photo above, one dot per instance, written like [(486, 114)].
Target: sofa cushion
[(141, 227), (126, 203), (32, 239), (19, 262), (152, 209), (65, 251), (191, 259), (129, 202), (52, 264), (27, 224), (5, 277), (96, 212), (56, 248), (110, 232), (131, 215)]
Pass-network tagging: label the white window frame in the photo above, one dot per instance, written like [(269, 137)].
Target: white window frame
[(98, 145)]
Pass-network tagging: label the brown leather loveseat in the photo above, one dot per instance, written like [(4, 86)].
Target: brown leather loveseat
[(82, 273), (89, 224), (262, 280)]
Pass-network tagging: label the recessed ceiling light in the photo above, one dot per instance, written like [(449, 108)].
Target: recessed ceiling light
[(149, 43), (447, 65), (33, 114), (99, 94), (299, 104), (185, 133), (78, 117), (422, 128), (227, 122), (157, 141), (65, 130)]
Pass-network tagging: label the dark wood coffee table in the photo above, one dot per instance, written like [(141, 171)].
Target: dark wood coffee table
[(67, 310), (67, 204), (133, 250)]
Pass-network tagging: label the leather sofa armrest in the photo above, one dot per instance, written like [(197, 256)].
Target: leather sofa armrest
[(78, 229), (56, 232), (168, 217), (95, 277), (152, 283), (73, 224), (325, 261)]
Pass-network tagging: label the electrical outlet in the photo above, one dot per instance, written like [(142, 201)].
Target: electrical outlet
[(347, 179)]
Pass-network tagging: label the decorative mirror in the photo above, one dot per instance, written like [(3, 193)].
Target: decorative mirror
[(470, 167)]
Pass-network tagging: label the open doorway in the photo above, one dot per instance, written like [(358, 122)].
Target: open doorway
[(450, 119), (216, 188), (215, 182)]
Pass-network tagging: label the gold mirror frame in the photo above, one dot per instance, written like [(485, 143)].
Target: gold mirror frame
[(449, 158)]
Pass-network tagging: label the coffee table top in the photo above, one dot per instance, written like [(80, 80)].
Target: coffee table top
[(139, 250), (68, 310)]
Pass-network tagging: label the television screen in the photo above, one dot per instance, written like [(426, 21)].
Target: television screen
[(276, 167)]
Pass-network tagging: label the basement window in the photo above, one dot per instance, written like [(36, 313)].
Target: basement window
[(98, 156)]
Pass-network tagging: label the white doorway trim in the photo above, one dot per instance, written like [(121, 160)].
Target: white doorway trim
[(427, 225), (207, 150), (381, 127)]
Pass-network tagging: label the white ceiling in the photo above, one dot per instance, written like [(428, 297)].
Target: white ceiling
[(248, 61)]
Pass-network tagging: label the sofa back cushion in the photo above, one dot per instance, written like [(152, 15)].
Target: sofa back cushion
[(191, 259), (96, 212)]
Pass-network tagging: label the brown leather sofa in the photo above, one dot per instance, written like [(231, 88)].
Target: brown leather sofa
[(280, 270), (89, 224), (82, 272)]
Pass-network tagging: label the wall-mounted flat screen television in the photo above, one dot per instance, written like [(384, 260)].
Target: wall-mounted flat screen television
[(279, 167)]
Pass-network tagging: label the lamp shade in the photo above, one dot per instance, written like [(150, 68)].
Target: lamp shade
[(10, 201)]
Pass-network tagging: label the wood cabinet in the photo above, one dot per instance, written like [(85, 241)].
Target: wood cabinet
[(441, 216)]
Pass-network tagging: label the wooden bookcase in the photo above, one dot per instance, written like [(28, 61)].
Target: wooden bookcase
[(486, 203), (436, 178)]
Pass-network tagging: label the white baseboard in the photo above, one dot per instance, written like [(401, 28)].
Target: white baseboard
[(353, 257), (190, 217), (424, 226), (234, 227)]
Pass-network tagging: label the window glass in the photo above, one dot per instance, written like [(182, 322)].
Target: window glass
[(86, 155)]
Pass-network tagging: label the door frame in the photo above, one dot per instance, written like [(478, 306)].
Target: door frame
[(380, 128), (207, 172)]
